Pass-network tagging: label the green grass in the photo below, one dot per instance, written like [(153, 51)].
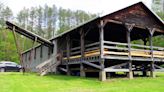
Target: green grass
[(16, 82)]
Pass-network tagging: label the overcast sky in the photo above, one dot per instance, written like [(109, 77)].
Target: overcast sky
[(93, 6)]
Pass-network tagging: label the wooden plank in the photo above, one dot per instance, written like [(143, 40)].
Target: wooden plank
[(161, 53), (86, 46), (158, 66), (115, 48), (116, 43), (118, 65), (116, 70), (126, 58), (143, 46), (116, 53), (92, 44), (91, 64), (157, 56), (137, 45), (75, 48), (91, 49), (133, 53), (63, 69), (75, 52)]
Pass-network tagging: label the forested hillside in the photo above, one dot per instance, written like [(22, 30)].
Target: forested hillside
[(47, 22)]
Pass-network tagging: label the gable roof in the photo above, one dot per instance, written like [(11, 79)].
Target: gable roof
[(155, 16), (101, 17)]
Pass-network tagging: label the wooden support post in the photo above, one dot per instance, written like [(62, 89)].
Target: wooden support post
[(32, 52), (130, 75), (129, 29), (102, 73), (68, 54), (152, 73), (144, 72), (18, 48), (151, 31), (82, 72)]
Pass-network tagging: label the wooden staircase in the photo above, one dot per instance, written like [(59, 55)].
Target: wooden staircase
[(47, 66)]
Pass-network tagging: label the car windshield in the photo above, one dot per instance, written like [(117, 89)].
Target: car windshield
[(10, 63)]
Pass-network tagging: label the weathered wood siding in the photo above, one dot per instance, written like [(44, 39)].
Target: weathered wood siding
[(33, 61), (138, 14)]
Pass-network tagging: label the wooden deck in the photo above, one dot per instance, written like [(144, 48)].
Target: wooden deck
[(92, 53)]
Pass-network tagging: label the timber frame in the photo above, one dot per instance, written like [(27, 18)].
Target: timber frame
[(104, 45)]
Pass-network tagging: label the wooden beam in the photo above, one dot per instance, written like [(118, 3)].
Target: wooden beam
[(130, 75), (82, 45), (129, 28), (63, 69), (91, 64), (151, 31), (116, 70), (141, 27), (102, 73), (101, 27), (68, 53), (101, 31), (158, 66), (118, 65), (29, 34), (18, 48)]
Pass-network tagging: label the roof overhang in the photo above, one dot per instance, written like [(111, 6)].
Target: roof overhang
[(28, 34)]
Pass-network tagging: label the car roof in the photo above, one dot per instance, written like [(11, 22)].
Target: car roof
[(7, 62)]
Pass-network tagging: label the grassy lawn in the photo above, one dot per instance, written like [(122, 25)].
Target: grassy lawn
[(16, 82)]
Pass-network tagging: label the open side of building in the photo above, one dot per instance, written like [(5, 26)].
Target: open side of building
[(102, 45)]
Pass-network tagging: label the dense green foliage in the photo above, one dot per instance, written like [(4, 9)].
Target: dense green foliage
[(16, 82), (7, 46)]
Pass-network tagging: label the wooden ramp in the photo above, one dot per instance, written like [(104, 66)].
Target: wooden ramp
[(47, 66)]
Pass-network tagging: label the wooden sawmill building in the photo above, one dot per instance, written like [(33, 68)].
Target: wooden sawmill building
[(102, 45)]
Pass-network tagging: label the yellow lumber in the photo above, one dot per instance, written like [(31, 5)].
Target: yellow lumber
[(116, 53), (158, 54)]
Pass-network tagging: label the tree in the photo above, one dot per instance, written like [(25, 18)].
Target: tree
[(39, 21), (54, 19), (32, 17)]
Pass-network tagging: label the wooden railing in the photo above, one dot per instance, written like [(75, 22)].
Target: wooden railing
[(115, 49), (90, 51), (121, 49)]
